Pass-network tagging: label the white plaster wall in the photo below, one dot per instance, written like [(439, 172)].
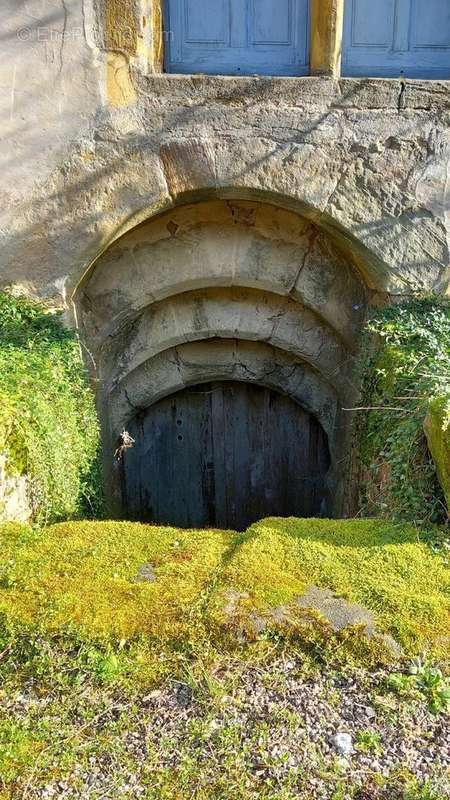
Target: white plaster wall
[(51, 76)]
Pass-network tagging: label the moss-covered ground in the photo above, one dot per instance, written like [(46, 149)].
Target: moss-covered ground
[(81, 579), (95, 615), (113, 609)]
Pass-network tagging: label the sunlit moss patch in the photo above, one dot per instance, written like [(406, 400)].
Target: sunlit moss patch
[(393, 570), (145, 597)]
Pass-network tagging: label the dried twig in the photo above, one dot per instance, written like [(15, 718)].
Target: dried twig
[(377, 408)]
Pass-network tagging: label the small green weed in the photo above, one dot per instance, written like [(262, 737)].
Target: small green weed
[(425, 680), (422, 791), (400, 785), (19, 748), (369, 742), (104, 666)]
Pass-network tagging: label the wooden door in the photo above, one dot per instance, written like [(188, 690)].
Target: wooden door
[(225, 454), (387, 37), (237, 37)]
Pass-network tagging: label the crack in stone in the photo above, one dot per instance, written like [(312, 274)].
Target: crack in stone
[(83, 17), (308, 251), (275, 319), (339, 181), (401, 100), (63, 35), (177, 361), (164, 174)]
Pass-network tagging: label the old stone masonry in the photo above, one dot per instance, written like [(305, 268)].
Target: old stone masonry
[(215, 200)]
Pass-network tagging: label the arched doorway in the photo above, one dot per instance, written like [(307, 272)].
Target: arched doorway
[(217, 291), (225, 454)]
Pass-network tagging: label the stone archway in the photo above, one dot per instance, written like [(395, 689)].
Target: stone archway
[(225, 291)]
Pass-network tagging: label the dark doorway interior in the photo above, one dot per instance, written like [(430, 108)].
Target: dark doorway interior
[(225, 454)]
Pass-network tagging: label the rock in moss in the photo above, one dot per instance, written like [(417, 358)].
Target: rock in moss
[(437, 431), (15, 495), (146, 573), (336, 612)]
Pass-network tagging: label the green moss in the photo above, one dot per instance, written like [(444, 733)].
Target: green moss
[(437, 430), (19, 748), (387, 568), (85, 574), (77, 582), (48, 424)]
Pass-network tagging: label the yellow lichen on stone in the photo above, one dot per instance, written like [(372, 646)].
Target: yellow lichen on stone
[(119, 86), (157, 49), (121, 26), (123, 40), (326, 37)]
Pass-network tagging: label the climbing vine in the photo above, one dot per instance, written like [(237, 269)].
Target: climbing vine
[(409, 365), (48, 423)]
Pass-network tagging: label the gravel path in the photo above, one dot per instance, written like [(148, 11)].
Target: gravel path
[(269, 733)]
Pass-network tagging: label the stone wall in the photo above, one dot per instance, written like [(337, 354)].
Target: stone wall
[(299, 200), (367, 160)]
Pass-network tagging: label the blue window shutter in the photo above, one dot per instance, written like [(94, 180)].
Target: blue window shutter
[(237, 37), (206, 29), (389, 37)]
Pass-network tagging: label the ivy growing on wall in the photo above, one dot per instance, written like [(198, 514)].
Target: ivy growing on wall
[(48, 423), (409, 365)]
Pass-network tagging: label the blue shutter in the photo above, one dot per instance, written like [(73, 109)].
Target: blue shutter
[(237, 37), (208, 29), (387, 37)]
